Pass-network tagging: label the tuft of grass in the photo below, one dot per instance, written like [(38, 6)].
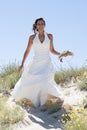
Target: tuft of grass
[(8, 69), (72, 75), (66, 75), (10, 115), (76, 120), (83, 84), (8, 76), (6, 128)]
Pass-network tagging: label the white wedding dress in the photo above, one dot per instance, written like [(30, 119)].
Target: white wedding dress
[(37, 80)]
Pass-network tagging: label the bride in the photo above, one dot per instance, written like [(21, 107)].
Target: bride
[(37, 80)]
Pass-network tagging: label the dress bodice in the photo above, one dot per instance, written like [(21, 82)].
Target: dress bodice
[(41, 49)]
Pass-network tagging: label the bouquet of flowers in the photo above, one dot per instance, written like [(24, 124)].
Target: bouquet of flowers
[(64, 54)]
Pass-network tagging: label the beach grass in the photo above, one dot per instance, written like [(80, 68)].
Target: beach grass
[(75, 120), (72, 75), (9, 115), (9, 76)]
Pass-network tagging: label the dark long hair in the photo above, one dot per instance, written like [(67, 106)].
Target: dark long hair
[(35, 24)]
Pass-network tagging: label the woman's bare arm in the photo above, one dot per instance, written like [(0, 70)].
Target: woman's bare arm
[(30, 42), (51, 45)]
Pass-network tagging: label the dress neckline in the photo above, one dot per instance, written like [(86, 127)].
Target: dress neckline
[(43, 39)]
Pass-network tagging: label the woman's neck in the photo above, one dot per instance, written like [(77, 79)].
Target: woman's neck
[(41, 33)]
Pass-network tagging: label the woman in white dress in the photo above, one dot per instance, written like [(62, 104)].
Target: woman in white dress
[(37, 80)]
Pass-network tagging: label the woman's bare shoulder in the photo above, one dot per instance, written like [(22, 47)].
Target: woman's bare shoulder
[(32, 36), (50, 36)]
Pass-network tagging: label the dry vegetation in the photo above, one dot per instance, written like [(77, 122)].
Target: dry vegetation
[(77, 120)]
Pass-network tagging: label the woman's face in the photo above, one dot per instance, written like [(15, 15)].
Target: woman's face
[(40, 25)]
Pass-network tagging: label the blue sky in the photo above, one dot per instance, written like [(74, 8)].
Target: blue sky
[(65, 19)]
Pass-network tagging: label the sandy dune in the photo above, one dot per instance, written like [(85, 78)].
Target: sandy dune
[(40, 119)]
